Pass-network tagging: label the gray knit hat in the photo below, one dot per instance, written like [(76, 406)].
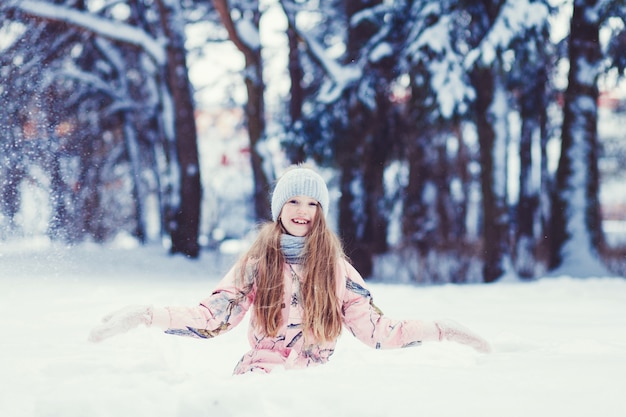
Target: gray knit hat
[(299, 181)]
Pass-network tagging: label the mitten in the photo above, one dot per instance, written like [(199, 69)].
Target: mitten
[(121, 321), (455, 332)]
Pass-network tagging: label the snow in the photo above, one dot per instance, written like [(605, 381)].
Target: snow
[(8, 34), (446, 71), (515, 18), (381, 51), (559, 342), (340, 77), (559, 346), (111, 29), (499, 110), (248, 33), (577, 251)]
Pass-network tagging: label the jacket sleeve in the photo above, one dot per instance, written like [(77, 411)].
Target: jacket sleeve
[(368, 323), (220, 312)]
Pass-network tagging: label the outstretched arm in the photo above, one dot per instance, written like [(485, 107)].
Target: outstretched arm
[(368, 323), (121, 321), (220, 312)]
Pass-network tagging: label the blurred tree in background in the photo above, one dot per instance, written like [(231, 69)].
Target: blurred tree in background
[(416, 107)]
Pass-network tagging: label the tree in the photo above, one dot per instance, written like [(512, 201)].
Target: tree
[(364, 147), (158, 103), (349, 121), (14, 96), (458, 72), (184, 225), (242, 24), (531, 82), (438, 100), (576, 232), (294, 147)]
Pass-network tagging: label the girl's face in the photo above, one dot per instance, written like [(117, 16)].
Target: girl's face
[(297, 215)]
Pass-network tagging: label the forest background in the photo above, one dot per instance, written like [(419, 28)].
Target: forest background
[(463, 141)]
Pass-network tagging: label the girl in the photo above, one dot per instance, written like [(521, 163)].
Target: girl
[(300, 289)]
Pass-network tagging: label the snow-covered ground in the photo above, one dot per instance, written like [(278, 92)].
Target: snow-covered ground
[(559, 347)]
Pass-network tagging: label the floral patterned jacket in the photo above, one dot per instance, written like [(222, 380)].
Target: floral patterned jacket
[(227, 305)]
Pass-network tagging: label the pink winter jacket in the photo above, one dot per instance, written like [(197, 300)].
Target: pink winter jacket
[(227, 305)]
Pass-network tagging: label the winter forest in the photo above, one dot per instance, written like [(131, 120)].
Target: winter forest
[(463, 141)]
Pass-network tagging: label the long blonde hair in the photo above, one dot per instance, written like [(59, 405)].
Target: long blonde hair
[(320, 303)]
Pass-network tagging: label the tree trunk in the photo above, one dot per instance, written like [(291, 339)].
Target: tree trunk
[(362, 226), (130, 135), (184, 227), (414, 217), (59, 218), (255, 106), (528, 201), (363, 157), (351, 211), (545, 194), (461, 171), (139, 196), (576, 223), (532, 111), (492, 174), (296, 97), (12, 174), (377, 223), (444, 206)]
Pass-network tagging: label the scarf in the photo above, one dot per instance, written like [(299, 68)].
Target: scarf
[(293, 248)]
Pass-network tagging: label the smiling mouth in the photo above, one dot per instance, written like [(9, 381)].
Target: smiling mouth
[(300, 221)]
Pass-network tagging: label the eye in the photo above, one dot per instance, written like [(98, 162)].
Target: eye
[(313, 203), (293, 201)]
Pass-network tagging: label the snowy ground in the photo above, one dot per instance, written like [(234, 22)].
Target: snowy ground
[(559, 347)]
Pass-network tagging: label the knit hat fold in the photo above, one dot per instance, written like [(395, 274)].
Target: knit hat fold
[(299, 181)]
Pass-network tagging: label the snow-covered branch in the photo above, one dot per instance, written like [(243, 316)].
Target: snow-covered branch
[(241, 32), (515, 18), (88, 79), (114, 30), (445, 65), (340, 76)]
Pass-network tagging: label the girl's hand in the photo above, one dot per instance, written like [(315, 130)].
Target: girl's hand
[(121, 321), (455, 332)]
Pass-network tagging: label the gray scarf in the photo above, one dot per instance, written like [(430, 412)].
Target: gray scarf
[(293, 248)]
